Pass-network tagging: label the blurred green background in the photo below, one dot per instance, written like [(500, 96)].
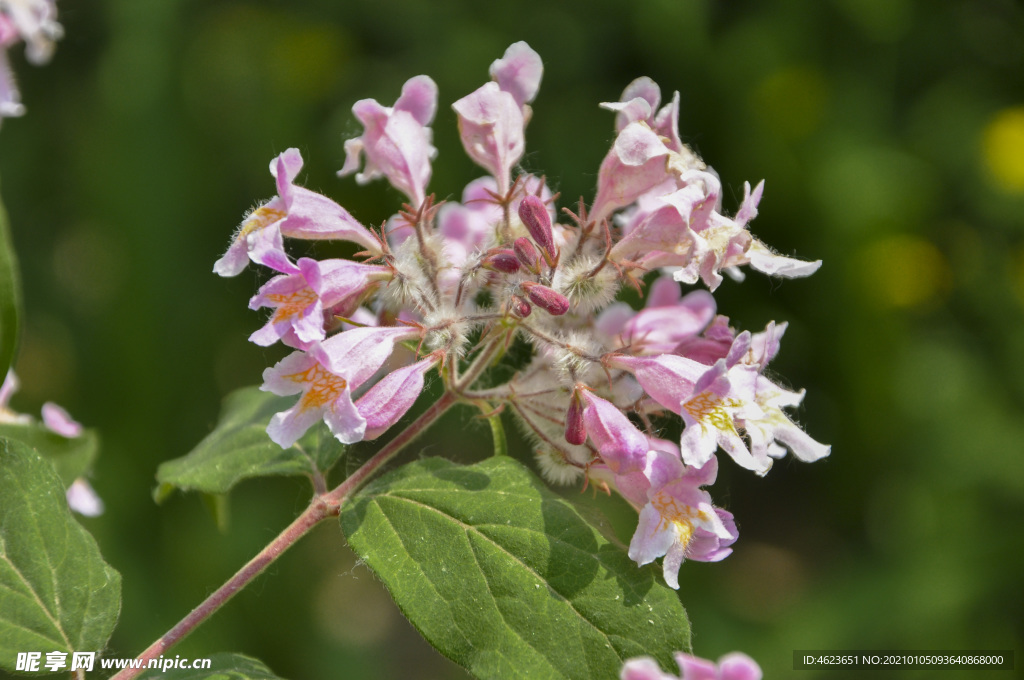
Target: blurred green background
[(890, 134)]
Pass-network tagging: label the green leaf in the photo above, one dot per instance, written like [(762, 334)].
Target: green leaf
[(10, 296), (239, 448), (506, 578), (222, 667), (56, 592), (72, 457)]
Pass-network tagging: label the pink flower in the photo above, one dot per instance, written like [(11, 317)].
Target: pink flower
[(396, 140), (83, 499), (519, 72), (732, 666), (667, 378), (679, 521), (636, 162), (492, 118), (34, 22), (622, 447), (773, 431), (639, 102), (300, 300), (667, 321), (724, 244), (295, 212), (722, 399), (491, 128), (387, 401), (57, 420), (325, 376)]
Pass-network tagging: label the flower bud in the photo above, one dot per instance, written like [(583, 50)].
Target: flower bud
[(534, 215), (526, 253), (575, 431), (520, 306), (502, 260), (551, 301)]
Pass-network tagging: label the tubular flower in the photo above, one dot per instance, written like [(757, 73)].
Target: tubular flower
[(492, 118), (387, 401), (301, 300), (325, 376), (678, 521), (504, 281), (295, 212), (396, 140)]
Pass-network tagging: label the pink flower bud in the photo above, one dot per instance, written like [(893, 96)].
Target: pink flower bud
[(534, 215), (520, 306), (526, 253), (551, 301), (575, 431), (503, 260)]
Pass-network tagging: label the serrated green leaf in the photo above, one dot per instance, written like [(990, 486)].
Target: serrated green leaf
[(239, 448), (506, 578), (10, 296), (222, 667), (70, 456), (56, 592)]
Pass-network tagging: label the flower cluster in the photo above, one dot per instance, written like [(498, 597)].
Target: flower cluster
[(449, 288), (33, 22)]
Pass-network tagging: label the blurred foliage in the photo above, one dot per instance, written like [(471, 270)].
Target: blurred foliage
[(891, 137)]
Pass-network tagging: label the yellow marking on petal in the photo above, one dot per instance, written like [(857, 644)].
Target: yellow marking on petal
[(674, 513), (322, 386), (291, 304), (258, 219), (708, 408)]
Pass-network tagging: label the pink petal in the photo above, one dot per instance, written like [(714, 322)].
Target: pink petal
[(635, 163), (491, 128), (344, 420), (695, 668), (739, 666), (519, 72), (387, 401), (643, 668), (287, 427), (83, 499), (419, 98), (621, 445), (56, 419), (358, 353), (764, 260)]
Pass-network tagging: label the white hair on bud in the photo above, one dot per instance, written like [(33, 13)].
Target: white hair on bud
[(410, 283), (585, 291), (446, 329), (554, 468), (569, 365)]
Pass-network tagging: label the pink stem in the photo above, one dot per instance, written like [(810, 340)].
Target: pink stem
[(322, 507)]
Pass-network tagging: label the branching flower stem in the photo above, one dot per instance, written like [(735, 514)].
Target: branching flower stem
[(323, 506)]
